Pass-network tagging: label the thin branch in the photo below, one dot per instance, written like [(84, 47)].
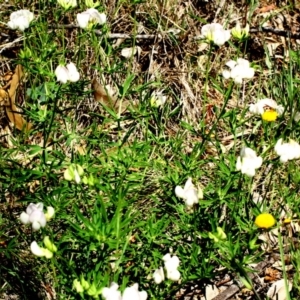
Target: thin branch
[(280, 32)]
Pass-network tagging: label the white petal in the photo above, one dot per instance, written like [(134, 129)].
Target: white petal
[(73, 74), (166, 257), (159, 275), (36, 249), (62, 74), (131, 293), (173, 275), (128, 52), (38, 216), (36, 226), (112, 292), (226, 74), (24, 218), (172, 263), (231, 64), (179, 192)]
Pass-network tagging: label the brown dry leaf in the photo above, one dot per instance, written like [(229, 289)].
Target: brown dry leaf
[(102, 96), (271, 274), (266, 9), (3, 97), (11, 109)]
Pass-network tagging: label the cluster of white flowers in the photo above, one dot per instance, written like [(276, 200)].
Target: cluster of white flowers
[(130, 293), (239, 70), (21, 19), (190, 194), (171, 267), (90, 17), (216, 34), (68, 73), (248, 161), (34, 214), (287, 151)]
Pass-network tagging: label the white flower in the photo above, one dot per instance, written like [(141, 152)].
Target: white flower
[(263, 104), (130, 293), (34, 214), (248, 162), (39, 251), (239, 70), (62, 74), (159, 275), (158, 99), (190, 194), (215, 33), (112, 292), (69, 72), (66, 4), (287, 151), (171, 265), (129, 52), (90, 17), (73, 73), (20, 19)]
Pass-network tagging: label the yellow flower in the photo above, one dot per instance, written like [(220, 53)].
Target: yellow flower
[(269, 115), (264, 220), (287, 221)]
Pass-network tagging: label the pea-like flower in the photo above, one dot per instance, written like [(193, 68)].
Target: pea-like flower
[(240, 33), (287, 151), (217, 236), (133, 293), (171, 266), (90, 17), (190, 194), (68, 73), (20, 19), (248, 162), (130, 293), (239, 70), (159, 275), (43, 252), (265, 220), (267, 108), (74, 172), (92, 3), (215, 33), (158, 99), (34, 214), (67, 4)]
